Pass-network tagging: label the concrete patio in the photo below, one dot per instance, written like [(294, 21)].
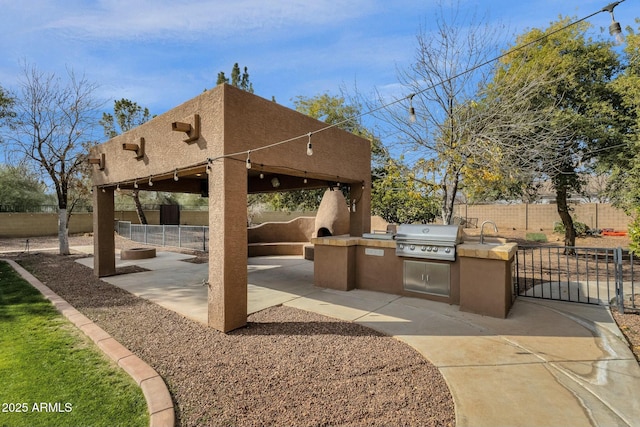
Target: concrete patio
[(548, 364)]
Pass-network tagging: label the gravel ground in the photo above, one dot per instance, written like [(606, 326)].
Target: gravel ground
[(287, 367), (254, 387)]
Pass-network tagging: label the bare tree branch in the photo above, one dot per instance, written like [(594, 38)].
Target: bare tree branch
[(52, 126)]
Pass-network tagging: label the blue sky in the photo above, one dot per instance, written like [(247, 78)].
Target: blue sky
[(161, 53)]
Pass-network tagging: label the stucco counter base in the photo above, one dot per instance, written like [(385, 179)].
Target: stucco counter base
[(481, 277)]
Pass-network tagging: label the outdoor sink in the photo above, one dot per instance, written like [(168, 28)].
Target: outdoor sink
[(492, 248), (488, 241)]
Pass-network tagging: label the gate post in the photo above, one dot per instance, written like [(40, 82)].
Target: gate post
[(617, 259)]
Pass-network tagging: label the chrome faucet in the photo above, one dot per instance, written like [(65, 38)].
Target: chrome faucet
[(495, 228)]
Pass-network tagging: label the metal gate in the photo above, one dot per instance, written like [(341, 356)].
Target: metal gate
[(604, 276)]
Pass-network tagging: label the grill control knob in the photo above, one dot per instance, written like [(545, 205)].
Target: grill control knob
[(424, 248), (401, 246), (447, 250), (412, 247), (435, 249)]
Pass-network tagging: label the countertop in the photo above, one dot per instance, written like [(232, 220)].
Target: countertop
[(498, 249)]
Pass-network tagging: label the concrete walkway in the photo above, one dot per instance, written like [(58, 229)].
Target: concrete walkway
[(548, 364)]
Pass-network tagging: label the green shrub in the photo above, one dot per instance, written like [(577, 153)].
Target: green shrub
[(634, 233), (536, 237), (580, 227)]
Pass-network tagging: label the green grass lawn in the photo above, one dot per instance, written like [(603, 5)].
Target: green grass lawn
[(53, 375)]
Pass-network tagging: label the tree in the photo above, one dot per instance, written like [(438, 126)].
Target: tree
[(21, 188), (623, 160), (239, 80), (126, 115), (398, 197), (441, 90), (579, 92), (6, 103), (51, 129)]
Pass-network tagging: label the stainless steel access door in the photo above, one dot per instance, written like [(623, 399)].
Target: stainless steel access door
[(427, 277)]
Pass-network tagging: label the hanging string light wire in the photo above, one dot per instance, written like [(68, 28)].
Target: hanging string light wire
[(207, 163), (609, 8)]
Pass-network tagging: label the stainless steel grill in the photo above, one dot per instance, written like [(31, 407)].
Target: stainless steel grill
[(428, 241)]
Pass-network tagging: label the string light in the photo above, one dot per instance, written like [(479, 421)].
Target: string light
[(608, 8), (615, 29), (175, 175), (309, 147), (305, 177), (412, 111), (118, 188)]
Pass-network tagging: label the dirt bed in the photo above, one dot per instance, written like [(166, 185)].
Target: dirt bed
[(287, 367)]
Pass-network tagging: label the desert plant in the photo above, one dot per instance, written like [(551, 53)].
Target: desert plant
[(580, 227)]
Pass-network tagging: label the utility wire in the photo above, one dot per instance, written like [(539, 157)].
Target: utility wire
[(609, 8)]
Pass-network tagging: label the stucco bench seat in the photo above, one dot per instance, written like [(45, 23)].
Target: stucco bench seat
[(277, 248)]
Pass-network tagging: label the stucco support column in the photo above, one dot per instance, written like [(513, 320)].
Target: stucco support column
[(227, 302), (104, 246), (360, 219)]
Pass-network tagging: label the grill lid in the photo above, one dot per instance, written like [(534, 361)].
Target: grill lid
[(430, 233)]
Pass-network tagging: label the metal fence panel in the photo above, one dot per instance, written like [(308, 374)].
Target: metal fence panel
[(181, 236), (138, 233), (123, 229), (586, 275)]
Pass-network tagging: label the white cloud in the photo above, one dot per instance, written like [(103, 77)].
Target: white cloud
[(127, 19)]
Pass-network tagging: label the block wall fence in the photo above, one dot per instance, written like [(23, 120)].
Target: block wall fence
[(520, 217), (537, 217), (46, 224)]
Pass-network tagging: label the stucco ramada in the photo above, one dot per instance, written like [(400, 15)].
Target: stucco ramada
[(205, 144)]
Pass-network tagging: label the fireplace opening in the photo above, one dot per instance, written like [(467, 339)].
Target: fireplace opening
[(324, 232)]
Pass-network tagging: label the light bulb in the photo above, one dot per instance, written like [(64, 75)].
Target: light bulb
[(175, 175), (248, 162), (616, 31), (261, 175), (150, 182), (309, 147), (135, 184), (412, 111)]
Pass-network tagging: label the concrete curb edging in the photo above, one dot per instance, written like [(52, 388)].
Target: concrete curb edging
[(159, 403)]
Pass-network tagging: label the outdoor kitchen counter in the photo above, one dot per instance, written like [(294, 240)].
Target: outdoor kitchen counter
[(486, 276), (497, 249), (481, 276), (353, 241)]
